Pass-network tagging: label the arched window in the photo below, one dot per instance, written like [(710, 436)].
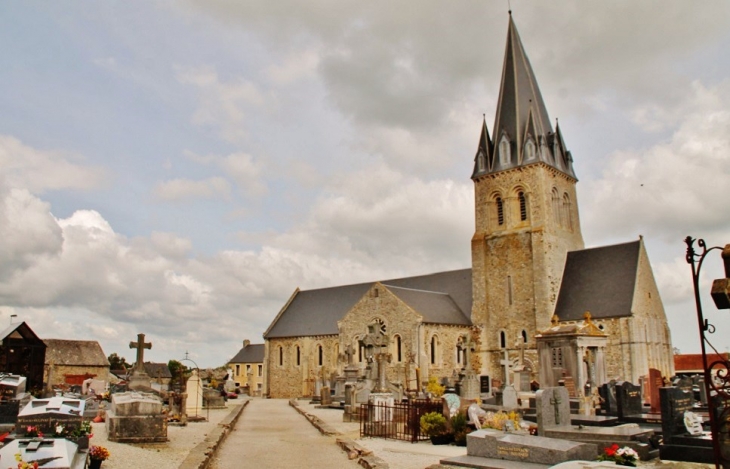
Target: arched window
[(523, 205), (319, 355), (524, 336), (398, 349), (434, 344), (556, 206), (281, 356), (568, 222), (504, 152), (459, 347), (500, 211), (529, 150), (360, 350), (502, 339), (299, 356)]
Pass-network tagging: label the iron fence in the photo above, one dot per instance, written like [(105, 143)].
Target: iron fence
[(396, 421)]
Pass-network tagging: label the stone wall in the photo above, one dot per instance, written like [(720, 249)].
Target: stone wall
[(288, 379), (517, 266), (58, 373)]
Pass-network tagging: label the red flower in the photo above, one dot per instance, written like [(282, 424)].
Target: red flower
[(611, 451)]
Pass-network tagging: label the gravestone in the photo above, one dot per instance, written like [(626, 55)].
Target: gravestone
[(685, 384), (509, 397), (469, 385), (58, 452), (655, 382), (194, 390), (46, 414), (139, 379), (484, 384), (497, 445), (553, 407), (609, 406), (136, 417), (12, 397), (677, 444), (326, 396), (628, 399), (212, 399)]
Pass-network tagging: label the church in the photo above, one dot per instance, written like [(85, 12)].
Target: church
[(529, 267)]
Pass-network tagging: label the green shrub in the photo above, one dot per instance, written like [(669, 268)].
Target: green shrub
[(433, 424), (460, 428)]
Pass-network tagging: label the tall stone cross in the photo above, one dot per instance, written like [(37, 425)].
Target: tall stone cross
[(350, 354), (140, 345), (506, 363), (555, 402)]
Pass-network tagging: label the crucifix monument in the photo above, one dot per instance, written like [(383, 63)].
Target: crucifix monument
[(140, 380)]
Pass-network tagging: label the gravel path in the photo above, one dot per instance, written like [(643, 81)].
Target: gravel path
[(160, 455), (271, 434)]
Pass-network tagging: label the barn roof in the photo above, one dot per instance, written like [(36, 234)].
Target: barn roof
[(75, 353)]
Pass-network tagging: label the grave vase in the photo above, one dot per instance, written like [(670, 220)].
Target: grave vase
[(95, 463)]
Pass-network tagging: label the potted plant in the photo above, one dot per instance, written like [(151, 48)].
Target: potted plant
[(97, 454), (460, 428), (433, 425)]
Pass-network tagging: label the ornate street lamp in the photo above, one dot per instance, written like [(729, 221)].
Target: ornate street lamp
[(717, 384)]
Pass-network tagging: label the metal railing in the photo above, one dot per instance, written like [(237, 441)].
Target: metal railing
[(397, 421)]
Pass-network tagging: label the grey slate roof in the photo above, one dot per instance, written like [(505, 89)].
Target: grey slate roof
[(75, 353), (600, 280), (19, 330), (316, 312), (435, 307), (521, 115), (252, 353), (157, 370)]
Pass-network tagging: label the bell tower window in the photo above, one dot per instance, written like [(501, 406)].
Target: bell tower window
[(500, 211), (523, 205)]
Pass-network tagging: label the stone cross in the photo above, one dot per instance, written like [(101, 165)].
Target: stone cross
[(556, 404), (506, 363), (140, 345)]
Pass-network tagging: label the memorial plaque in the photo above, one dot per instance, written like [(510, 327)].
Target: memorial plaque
[(628, 398), (484, 384)]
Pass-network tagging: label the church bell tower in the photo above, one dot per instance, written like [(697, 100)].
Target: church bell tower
[(526, 216)]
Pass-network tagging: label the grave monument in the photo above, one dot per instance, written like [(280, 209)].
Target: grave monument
[(136, 417), (139, 379)]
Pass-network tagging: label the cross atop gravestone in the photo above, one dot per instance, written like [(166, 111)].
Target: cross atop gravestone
[(350, 354), (507, 365), (140, 345)]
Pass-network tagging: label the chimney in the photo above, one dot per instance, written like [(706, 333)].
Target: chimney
[(246, 343)]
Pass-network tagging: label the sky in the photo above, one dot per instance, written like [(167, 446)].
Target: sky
[(179, 168)]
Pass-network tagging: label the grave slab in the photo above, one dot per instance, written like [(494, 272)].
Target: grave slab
[(136, 417), (46, 414), (60, 453)]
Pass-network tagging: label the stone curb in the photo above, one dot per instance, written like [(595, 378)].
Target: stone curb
[(200, 456), (365, 457)]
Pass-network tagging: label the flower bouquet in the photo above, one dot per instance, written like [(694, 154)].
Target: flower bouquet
[(31, 431), (621, 456), (97, 454)]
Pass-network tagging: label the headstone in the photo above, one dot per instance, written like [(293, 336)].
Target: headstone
[(628, 398), (212, 399), (12, 397), (509, 397), (326, 395), (139, 379), (136, 417), (553, 407), (46, 414), (655, 382), (674, 403), (608, 398), (194, 391), (494, 444), (484, 384), (685, 384), (469, 385), (58, 452)]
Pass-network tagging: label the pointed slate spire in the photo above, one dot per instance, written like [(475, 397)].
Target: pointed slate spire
[(483, 157), (522, 131)]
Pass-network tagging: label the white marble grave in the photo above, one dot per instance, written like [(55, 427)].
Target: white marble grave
[(194, 389)]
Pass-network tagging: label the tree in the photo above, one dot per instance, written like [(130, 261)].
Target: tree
[(118, 363), (177, 369)]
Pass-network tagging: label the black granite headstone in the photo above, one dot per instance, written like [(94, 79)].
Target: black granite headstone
[(686, 384), (608, 397), (484, 384), (628, 399), (674, 403)]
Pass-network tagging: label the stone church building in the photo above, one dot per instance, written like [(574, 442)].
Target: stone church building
[(528, 264)]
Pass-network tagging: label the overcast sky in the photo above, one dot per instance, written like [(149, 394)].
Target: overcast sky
[(179, 168)]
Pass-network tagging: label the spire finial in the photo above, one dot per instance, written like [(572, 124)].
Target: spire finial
[(509, 7)]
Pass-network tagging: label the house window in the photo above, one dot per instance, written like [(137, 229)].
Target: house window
[(502, 339), (261, 370), (248, 369), (523, 205), (238, 370)]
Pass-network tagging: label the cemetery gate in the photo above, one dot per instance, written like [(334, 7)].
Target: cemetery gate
[(398, 421)]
